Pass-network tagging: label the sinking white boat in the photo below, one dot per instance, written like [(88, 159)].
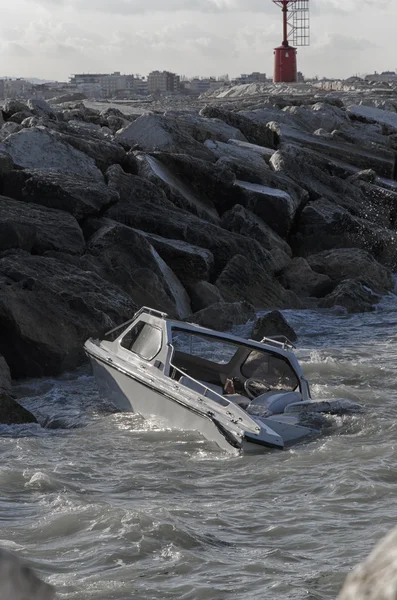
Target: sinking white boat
[(235, 392)]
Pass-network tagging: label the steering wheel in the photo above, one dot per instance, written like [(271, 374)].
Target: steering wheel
[(255, 387)]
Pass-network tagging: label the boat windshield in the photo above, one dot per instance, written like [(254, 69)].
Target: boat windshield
[(209, 348), (275, 370)]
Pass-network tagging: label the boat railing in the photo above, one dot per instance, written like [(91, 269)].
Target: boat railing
[(202, 389), (279, 340)]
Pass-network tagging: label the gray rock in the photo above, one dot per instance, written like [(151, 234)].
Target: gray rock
[(244, 163), (19, 581), (323, 225), (128, 260), (243, 279), (180, 192), (8, 129), (375, 577), (203, 294), (81, 197), (224, 315), (299, 277), (272, 325), (38, 149), (145, 207), (37, 229), (212, 183), (12, 106), (189, 263), (351, 295), (202, 129), (41, 108), (5, 377), (48, 309), (157, 133), (353, 263), (19, 117), (12, 413), (256, 133), (275, 207)]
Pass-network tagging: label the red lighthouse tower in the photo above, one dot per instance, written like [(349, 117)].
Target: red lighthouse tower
[(296, 29)]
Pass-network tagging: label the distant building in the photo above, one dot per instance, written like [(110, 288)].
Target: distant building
[(387, 76), (254, 77), (160, 82), (17, 88), (102, 85), (2, 89)]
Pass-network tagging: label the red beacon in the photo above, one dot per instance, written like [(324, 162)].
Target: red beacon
[(296, 29)]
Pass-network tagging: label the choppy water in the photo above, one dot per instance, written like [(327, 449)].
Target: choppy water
[(109, 507)]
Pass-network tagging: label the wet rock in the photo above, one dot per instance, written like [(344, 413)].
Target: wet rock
[(38, 149), (157, 133), (244, 163), (179, 191), (203, 294), (72, 97), (12, 106), (12, 413), (224, 315), (5, 377), (367, 175), (128, 260), (318, 116), (353, 263), (79, 196), (370, 114), (265, 153), (272, 325), (351, 295), (244, 222), (299, 277), (375, 577), (189, 263), (48, 309), (8, 129), (256, 133), (37, 229), (275, 207), (243, 279), (145, 207), (323, 225), (19, 581)]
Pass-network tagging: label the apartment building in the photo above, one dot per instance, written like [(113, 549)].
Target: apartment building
[(160, 82)]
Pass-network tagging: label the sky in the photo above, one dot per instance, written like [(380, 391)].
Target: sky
[(52, 39)]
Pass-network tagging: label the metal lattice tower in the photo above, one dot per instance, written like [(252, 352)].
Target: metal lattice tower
[(297, 21)]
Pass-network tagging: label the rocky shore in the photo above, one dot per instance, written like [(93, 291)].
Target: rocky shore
[(206, 212)]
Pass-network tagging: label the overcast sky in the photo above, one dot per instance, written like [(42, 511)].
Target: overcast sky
[(51, 39)]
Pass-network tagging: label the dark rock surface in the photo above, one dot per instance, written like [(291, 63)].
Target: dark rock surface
[(299, 277), (223, 315), (5, 377), (12, 413), (351, 295), (203, 294), (273, 325)]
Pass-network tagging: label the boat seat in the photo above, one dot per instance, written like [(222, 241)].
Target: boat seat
[(275, 402), (238, 399)]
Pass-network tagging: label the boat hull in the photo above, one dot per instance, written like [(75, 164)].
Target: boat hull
[(128, 394)]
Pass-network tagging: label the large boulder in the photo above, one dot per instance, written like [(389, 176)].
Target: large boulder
[(12, 413), (5, 376), (224, 315), (353, 263), (37, 148), (19, 581), (143, 206), (351, 295), (189, 263), (81, 197), (244, 163), (256, 133), (41, 108), (275, 207), (243, 279), (178, 190), (242, 221), (37, 228), (203, 294), (272, 325), (158, 133), (299, 277), (324, 225), (375, 577), (202, 129), (12, 106), (128, 260), (48, 309)]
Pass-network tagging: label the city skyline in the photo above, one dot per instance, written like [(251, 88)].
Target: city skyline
[(43, 38)]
